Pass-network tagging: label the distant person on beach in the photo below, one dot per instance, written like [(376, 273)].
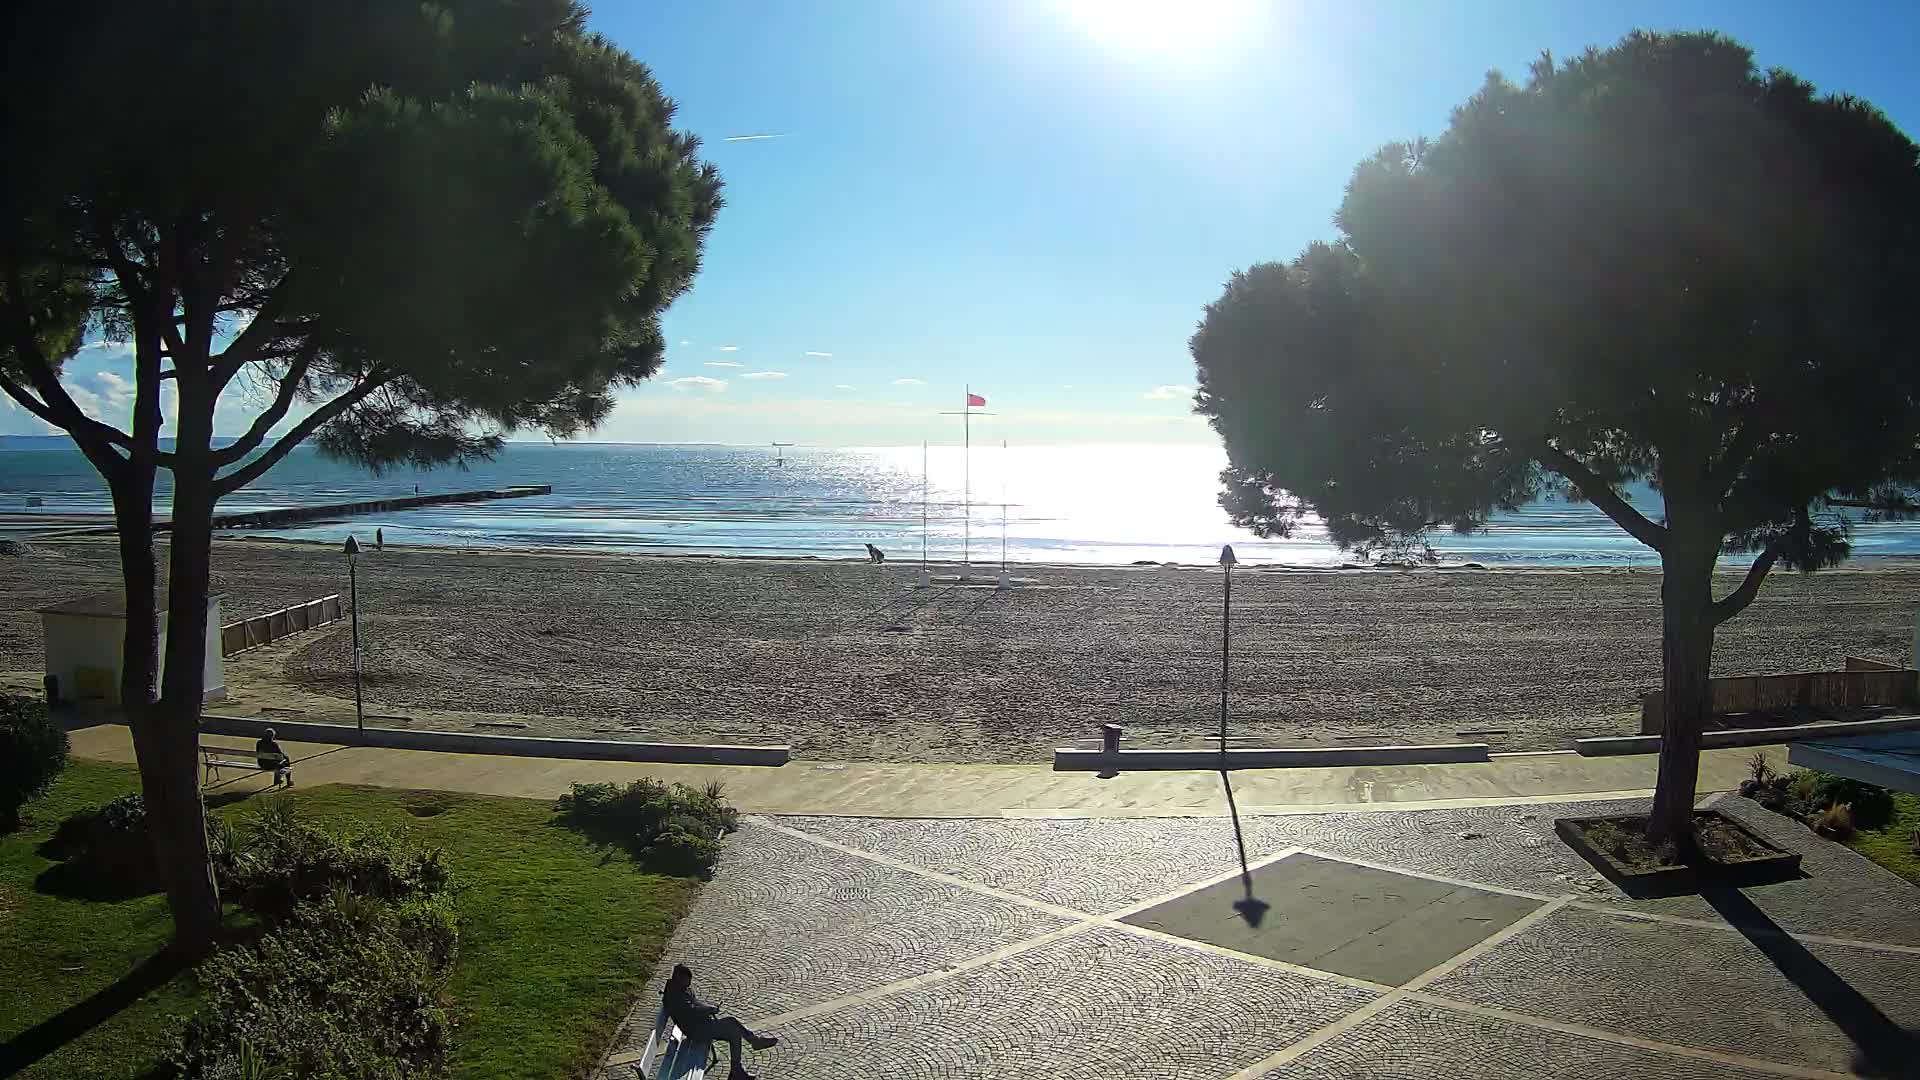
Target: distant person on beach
[(270, 756), (701, 1022), (379, 540), (875, 555)]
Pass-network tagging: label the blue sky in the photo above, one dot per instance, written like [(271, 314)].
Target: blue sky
[(1039, 197)]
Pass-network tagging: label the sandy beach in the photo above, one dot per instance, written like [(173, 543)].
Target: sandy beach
[(847, 661)]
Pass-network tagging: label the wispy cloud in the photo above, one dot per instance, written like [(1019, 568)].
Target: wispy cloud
[(844, 386), (1066, 386), (684, 341), (723, 363), (1168, 393), (757, 136), (810, 352), (699, 382), (909, 382), (764, 375), (729, 348)]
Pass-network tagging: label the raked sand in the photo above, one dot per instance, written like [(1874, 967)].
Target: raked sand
[(847, 661)]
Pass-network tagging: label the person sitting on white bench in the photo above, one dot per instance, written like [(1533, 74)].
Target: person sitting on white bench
[(701, 1022), (272, 757)]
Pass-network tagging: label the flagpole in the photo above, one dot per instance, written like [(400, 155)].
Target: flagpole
[(1003, 507), (923, 506), (966, 481)]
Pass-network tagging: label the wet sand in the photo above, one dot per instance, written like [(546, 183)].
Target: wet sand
[(847, 661)]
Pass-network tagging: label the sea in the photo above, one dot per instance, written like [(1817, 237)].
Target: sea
[(1087, 504)]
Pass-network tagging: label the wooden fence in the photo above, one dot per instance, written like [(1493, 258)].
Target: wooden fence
[(262, 629), (1854, 688)]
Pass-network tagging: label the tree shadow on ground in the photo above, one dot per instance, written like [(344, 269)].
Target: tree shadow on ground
[(1883, 1048), (81, 1017), (90, 863)]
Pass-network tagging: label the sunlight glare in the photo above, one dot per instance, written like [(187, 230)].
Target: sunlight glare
[(1160, 25)]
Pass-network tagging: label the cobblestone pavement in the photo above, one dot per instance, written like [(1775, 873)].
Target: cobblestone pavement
[(963, 948)]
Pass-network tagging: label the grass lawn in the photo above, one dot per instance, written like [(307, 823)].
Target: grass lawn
[(556, 937), (1892, 847)]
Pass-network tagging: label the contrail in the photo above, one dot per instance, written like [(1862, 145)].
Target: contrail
[(755, 138)]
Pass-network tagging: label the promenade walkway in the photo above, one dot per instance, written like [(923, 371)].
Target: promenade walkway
[(882, 790)]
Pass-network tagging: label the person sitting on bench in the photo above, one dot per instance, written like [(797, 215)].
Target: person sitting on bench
[(701, 1022), (272, 757)]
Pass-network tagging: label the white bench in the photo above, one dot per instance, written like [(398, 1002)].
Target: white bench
[(681, 1058), (215, 758)]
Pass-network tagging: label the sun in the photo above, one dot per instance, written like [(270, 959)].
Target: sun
[(1160, 25)]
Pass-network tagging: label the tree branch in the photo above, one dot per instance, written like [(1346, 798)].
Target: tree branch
[(1739, 451), (1601, 494), (282, 401), (1736, 601), (246, 348), (234, 481)]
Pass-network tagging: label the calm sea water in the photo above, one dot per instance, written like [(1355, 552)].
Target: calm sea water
[(1083, 504)]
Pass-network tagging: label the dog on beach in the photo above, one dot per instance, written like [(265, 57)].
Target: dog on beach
[(875, 555)]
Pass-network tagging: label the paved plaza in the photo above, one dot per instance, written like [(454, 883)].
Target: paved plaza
[(1424, 944)]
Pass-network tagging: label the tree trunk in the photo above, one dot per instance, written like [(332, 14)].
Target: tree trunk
[(1686, 655), (172, 784)]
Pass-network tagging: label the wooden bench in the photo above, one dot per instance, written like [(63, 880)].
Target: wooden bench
[(681, 1058), (215, 758)]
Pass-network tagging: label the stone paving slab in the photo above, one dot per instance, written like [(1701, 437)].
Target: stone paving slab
[(1416, 1041), (1090, 865), (789, 924), (1098, 1005), (1693, 986), (1352, 920), (786, 923)]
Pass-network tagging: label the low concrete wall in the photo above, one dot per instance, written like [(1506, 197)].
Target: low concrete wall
[(1861, 663), (1715, 740), (1069, 759), (461, 742), (1852, 688), (263, 629)]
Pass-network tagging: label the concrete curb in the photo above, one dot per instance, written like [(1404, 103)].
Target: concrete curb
[(1719, 740), (1070, 759), (461, 742)]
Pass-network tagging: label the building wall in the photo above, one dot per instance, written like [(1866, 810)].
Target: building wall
[(84, 653)]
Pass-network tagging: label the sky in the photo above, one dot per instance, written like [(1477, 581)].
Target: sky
[(1037, 198)]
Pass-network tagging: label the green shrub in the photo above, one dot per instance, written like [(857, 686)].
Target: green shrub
[(340, 989), (33, 750), (1809, 793), (105, 853), (280, 863), (671, 829), (1872, 806), (675, 850)]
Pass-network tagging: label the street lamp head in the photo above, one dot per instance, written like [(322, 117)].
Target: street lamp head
[(1226, 555), (353, 546)]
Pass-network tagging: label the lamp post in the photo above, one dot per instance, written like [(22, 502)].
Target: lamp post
[(1226, 636), (353, 596)]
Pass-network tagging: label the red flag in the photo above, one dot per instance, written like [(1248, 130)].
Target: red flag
[(976, 399)]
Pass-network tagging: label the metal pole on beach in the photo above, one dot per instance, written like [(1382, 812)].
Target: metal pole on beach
[(923, 507), (966, 482), (353, 593), (1003, 508)]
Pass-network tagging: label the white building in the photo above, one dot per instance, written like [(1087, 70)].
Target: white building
[(84, 639)]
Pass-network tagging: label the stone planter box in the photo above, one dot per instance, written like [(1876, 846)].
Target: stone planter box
[(1778, 864)]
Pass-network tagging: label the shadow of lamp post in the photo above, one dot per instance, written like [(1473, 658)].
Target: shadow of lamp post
[(353, 598), (1249, 907)]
